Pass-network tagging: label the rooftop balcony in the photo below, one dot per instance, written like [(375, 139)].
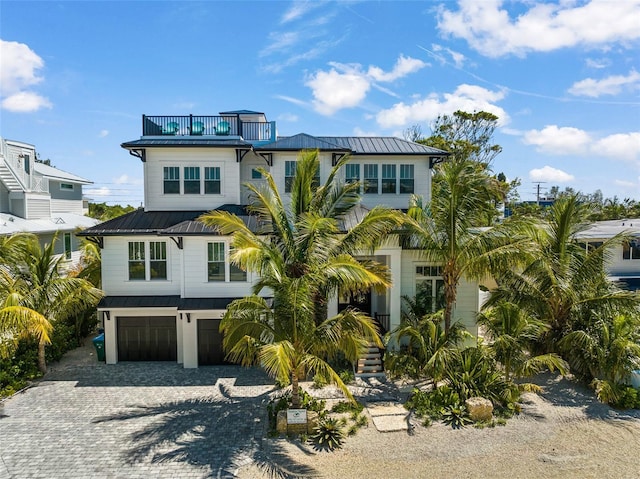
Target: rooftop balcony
[(217, 126)]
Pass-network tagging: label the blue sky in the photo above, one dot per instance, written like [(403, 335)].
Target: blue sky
[(563, 76)]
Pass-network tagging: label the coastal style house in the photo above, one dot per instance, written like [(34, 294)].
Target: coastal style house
[(623, 265), (40, 199), (167, 277)]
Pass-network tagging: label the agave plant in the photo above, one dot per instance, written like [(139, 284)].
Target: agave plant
[(329, 433)]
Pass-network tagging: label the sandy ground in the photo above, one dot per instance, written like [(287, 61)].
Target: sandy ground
[(563, 433)]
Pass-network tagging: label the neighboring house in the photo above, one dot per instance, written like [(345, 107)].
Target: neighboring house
[(623, 266), (167, 277), (40, 199)]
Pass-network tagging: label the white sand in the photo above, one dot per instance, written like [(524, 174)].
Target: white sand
[(564, 433)]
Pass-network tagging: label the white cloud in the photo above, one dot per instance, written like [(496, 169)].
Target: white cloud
[(627, 184), (466, 97), (333, 91), (103, 133), (288, 117), (490, 29), (19, 67), (103, 191), (457, 57), (597, 63), (611, 85), (403, 67), (298, 10), (360, 132), (346, 85), (574, 141), (127, 180), (25, 102), (559, 141), (550, 174), (623, 146)]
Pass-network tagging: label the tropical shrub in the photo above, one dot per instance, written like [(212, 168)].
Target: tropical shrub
[(456, 416), (329, 433)]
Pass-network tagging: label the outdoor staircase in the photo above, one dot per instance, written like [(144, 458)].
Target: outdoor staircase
[(370, 364), (8, 178)]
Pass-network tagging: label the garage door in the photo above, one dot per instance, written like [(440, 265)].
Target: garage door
[(148, 338), (209, 342)]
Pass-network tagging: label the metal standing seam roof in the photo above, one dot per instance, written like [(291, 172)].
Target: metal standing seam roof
[(357, 145), (184, 304)]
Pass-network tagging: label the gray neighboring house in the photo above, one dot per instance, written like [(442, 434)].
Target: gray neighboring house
[(40, 199)]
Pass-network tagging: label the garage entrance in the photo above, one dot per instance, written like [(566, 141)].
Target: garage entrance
[(209, 342), (147, 338)]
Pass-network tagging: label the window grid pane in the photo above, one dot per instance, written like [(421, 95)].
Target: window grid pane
[(191, 180), (212, 180), (371, 178), (136, 260), (171, 180), (215, 265), (352, 173), (388, 178), (406, 179), (289, 173)]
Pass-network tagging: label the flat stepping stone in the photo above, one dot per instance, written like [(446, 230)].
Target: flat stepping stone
[(389, 417)]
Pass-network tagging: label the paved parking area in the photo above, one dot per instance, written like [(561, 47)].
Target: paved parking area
[(134, 420)]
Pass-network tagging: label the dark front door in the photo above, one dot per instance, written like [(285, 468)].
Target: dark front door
[(147, 338), (209, 342), (361, 302)]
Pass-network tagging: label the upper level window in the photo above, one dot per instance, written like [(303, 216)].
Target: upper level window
[(289, 173), (171, 180), (148, 263), (27, 165), (371, 178), (256, 175), (215, 261), (351, 173), (406, 179), (631, 250), (136, 260), (217, 265), (66, 186), (191, 180), (389, 178), (212, 180), (157, 260)]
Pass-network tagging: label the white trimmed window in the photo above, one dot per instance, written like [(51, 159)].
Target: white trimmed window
[(351, 173), (66, 186), (212, 184), (191, 180), (389, 179), (289, 173), (631, 249), (406, 179), (429, 287), (147, 260), (371, 179), (171, 180), (218, 267)]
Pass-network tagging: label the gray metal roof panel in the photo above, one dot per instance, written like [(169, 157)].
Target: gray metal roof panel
[(140, 222), (109, 302), (302, 141)]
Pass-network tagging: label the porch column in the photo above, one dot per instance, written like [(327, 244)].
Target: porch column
[(395, 303), (110, 337), (190, 340)]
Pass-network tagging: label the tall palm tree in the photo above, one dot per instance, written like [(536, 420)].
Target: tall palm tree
[(512, 335), (41, 293), (565, 286), (304, 254), (445, 230)]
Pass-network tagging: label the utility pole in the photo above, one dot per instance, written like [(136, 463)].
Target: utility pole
[(538, 183)]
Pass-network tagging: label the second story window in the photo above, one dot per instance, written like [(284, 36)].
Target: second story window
[(235, 273), (351, 173), (389, 178), (212, 180), (289, 173), (631, 250), (157, 260), (191, 180), (371, 179), (171, 180), (136, 260), (215, 261), (67, 246), (406, 179)]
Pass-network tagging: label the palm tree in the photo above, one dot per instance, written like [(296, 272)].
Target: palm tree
[(512, 334), (445, 230), (565, 285), (304, 254), (36, 290), (608, 351)]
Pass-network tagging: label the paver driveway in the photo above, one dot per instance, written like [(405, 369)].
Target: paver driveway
[(134, 420)]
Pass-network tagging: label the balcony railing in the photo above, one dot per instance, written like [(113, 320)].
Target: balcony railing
[(221, 126)]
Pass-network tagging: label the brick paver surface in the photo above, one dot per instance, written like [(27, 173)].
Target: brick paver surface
[(134, 420)]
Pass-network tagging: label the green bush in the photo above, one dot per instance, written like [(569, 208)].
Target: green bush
[(319, 381), (347, 406), (629, 398), (328, 434), (456, 416), (347, 376)]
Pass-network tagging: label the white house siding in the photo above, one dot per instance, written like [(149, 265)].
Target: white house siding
[(196, 284), (115, 274), (38, 208), (66, 206), (157, 159), (617, 266), (467, 299)]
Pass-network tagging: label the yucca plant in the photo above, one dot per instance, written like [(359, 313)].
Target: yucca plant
[(329, 434), (456, 416)]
